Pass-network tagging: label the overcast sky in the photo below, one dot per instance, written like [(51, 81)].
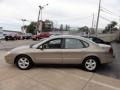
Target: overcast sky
[(76, 13)]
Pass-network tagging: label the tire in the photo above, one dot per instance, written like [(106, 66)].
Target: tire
[(24, 62), (90, 64), (37, 39), (34, 39), (6, 38)]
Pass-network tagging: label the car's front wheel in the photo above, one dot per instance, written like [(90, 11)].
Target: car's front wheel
[(90, 64), (24, 62)]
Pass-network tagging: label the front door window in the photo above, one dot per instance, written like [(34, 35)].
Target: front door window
[(53, 44)]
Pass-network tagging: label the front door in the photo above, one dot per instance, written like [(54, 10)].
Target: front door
[(52, 52)]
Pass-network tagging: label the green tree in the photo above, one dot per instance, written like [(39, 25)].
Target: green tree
[(47, 25), (84, 29), (31, 28), (110, 27)]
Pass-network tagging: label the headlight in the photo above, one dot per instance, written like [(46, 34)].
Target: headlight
[(8, 53)]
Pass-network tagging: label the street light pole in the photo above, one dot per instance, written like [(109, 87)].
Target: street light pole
[(38, 20), (40, 14), (22, 28), (98, 16), (23, 20), (93, 21)]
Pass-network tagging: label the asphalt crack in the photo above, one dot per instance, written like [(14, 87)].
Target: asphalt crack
[(88, 81)]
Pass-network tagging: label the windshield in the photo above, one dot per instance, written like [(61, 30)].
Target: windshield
[(37, 43)]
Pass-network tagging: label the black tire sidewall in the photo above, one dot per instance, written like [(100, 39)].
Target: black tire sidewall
[(30, 62), (83, 64)]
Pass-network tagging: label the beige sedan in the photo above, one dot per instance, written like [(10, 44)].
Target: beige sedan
[(62, 49)]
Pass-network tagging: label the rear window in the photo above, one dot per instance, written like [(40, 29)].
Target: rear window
[(85, 44)]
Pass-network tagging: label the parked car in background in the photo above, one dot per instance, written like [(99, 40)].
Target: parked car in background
[(61, 49), (10, 37), (41, 36), (27, 36), (17, 37), (54, 35), (105, 45), (97, 40)]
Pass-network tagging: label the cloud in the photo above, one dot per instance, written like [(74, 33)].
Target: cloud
[(62, 11)]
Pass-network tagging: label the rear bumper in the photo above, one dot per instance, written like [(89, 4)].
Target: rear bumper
[(107, 58)]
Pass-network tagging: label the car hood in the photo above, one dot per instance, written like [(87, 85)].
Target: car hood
[(20, 48)]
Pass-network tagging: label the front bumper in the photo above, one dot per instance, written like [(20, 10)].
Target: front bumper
[(9, 58)]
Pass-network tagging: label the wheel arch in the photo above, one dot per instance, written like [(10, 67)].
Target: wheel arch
[(92, 56), (16, 58)]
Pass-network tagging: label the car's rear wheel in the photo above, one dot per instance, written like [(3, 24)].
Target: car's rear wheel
[(90, 64), (24, 62)]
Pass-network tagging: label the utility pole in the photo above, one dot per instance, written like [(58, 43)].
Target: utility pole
[(119, 22), (92, 27), (99, 9), (93, 21), (39, 24)]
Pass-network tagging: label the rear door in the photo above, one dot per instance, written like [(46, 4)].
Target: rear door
[(74, 50)]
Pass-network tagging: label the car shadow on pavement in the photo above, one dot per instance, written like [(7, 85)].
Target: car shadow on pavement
[(112, 69), (109, 70), (57, 66)]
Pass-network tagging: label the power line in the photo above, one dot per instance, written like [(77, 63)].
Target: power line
[(105, 19), (108, 11), (110, 14)]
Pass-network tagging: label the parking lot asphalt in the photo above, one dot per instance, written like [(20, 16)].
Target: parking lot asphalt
[(52, 78), (8, 45), (57, 78), (113, 69)]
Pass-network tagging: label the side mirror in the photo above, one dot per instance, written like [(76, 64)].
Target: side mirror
[(41, 47)]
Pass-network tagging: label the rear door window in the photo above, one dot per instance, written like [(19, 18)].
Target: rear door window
[(71, 43)]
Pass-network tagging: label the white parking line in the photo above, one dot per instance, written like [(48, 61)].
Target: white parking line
[(74, 75), (106, 85)]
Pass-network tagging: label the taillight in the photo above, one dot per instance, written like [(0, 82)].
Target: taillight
[(111, 50)]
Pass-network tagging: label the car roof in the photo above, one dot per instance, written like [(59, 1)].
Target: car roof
[(66, 36), (72, 36)]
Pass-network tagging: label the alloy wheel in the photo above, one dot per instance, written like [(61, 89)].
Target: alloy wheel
[(23, 62), (90, 64)]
